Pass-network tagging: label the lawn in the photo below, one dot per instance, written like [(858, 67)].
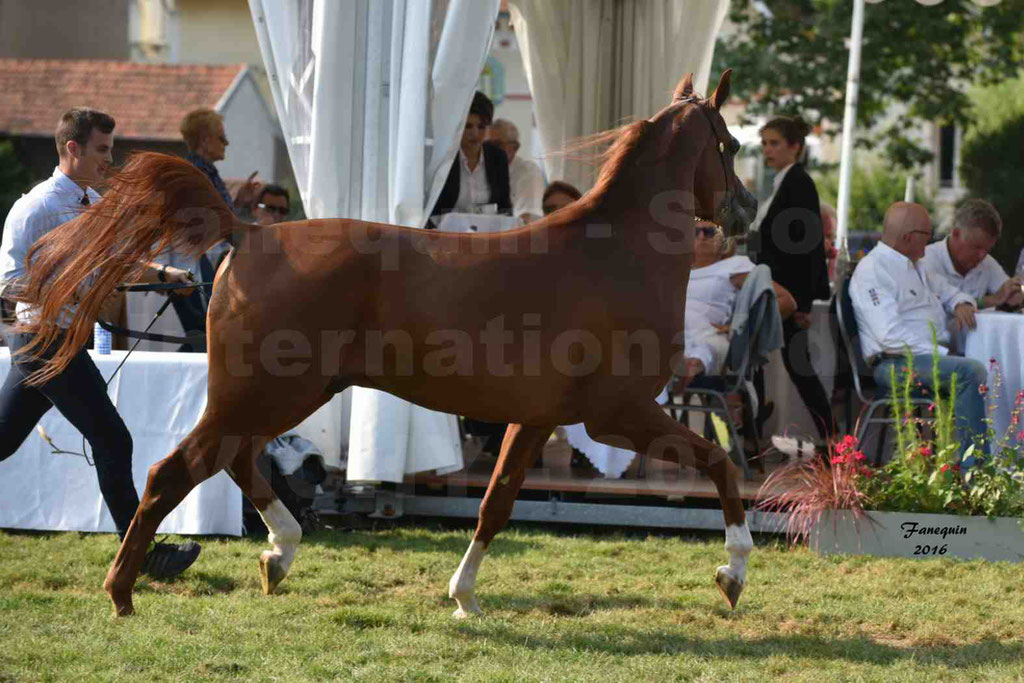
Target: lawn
[(560, 605)]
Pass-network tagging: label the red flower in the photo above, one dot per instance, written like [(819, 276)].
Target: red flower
[(931, 407), (983, 389), (956, 468), (944, 468), (926, 450), (859, 457), (839, 460), (1020, 435)]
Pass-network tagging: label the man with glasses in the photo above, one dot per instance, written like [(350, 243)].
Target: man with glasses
[(272, 205), (897, 306), (525, 177)]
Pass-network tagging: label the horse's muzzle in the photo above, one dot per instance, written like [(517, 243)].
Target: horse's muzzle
[(737, 211)]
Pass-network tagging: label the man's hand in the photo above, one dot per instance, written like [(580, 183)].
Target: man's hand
[(174, 275), (722, 329), (964, 314), (1009, 289), (248, 192)]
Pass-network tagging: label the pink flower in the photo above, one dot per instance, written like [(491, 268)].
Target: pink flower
[(859, 457), (839, 460), (1014, 420), (1020, 435), (926, 450), (931, 407)]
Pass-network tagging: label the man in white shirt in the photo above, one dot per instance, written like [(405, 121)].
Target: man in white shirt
[(85, 140), (525, 177), (897, 306), (962, 260)]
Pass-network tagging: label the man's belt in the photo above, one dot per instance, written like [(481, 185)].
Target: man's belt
[(877, 359)]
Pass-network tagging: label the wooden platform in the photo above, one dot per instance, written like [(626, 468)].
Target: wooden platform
[(554, 474)]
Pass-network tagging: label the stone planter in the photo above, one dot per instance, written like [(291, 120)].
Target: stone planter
[(907, 534)]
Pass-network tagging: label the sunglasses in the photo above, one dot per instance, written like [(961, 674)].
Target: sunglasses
[(279, 210), (707, 232)]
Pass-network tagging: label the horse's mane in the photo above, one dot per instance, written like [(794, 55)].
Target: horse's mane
[(614, 149)]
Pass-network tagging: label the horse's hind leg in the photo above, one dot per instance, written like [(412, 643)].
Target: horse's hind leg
[(198, 457), (648, 429), (285, 532), (519, 450)]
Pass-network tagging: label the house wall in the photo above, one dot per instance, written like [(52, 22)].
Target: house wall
[(252, 135), (58, 29)]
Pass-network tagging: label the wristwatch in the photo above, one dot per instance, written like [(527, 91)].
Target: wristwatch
[(162, 273)]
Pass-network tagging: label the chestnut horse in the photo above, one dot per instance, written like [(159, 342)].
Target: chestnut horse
[(453, 322)]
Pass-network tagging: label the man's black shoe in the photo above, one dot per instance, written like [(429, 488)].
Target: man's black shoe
[(167, 560)]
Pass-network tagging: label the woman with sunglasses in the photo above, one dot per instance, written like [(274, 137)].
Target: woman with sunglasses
[(787, 236)]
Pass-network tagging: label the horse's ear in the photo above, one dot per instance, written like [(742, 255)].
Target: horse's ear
[(684, 89), (721, 93)]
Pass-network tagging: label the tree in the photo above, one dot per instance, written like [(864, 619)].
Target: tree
[(790, 56)]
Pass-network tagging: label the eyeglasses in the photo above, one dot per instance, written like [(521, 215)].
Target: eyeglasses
[(707, 232), (279, 210)]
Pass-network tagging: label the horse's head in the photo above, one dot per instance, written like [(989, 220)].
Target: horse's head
[(719, 196)]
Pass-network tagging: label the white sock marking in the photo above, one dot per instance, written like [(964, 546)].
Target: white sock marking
[(285, 532)]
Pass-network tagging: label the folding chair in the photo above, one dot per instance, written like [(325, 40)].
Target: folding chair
[(876, 398), (714, 390)]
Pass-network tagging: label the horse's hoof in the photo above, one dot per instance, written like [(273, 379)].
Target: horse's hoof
[(122, 601), (271, 572), (467, 608), (730, 586)]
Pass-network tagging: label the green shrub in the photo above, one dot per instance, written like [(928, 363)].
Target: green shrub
[(14, 179), (874, 189)]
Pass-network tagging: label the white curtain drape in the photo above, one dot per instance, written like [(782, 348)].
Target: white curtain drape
[(593, 64), (372, 97)]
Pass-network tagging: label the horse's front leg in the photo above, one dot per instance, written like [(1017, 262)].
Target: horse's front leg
[(647, 429), (519, 450)]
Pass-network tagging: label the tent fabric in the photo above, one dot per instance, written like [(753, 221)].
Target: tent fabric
[(595, 64), (372, 97)]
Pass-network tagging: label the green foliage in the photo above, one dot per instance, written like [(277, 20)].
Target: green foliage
[(925, 473), (923, 58), (873, 190), (990, 166), (14, 179)]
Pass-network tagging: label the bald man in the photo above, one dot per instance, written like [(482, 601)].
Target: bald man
[(897, 306), (525, 177)]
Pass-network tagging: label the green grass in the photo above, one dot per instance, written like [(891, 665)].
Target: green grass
[(372, 605)]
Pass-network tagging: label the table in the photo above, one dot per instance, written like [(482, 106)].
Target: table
[(1000, 336), (161, 397), (476, 222)]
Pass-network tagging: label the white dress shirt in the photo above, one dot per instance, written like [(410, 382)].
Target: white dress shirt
[(52, 202), (762, 208), (985, 278), (527, 183), (474, 190), (896, 304)]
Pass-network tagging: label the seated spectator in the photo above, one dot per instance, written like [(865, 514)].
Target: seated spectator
[(962, 260), (527, 181), (829, 227), (478, 181), (897, 305), (558, 194), (715, 278), (273, 204)]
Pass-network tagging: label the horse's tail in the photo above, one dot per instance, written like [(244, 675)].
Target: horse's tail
[(154, 202)]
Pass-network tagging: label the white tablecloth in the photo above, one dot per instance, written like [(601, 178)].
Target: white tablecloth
[(161, 397), (476, 222), (999, 336)]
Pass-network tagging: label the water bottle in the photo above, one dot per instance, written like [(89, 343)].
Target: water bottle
[(101, 340)]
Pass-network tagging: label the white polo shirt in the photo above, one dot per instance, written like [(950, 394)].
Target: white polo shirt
[(474, 190), (985, 278), (897, 303), (52, 202), (527, 184)]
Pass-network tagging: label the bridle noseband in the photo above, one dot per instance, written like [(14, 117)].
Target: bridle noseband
[(693, 99)]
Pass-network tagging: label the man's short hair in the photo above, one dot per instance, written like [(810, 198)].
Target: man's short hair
[(506, 130), (482, 107), (563, 187), (276, 191), (196, 124), (979, 214), (77, 124)]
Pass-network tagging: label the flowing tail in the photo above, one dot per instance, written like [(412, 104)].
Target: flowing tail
[(154, 202)]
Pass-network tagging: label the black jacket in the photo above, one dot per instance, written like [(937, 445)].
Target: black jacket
[(790, 240), (496, 170)]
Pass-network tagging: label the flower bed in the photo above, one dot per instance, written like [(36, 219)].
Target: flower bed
[(924, 502)]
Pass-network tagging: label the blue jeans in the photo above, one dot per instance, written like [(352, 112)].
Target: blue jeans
[(969, 408)]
